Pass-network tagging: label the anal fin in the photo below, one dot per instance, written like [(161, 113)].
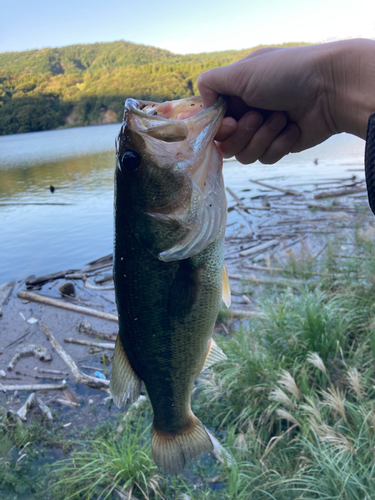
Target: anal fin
[(125, 385), (214, 355), (226, 295)]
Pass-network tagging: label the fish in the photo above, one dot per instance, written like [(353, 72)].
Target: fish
[(169, 272)]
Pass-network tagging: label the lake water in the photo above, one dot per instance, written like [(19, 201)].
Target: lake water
[(38, 238)]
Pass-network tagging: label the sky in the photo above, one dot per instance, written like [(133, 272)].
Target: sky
[(182, 27)]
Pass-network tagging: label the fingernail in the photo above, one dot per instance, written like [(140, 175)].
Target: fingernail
[(277, 122), (253, 121)]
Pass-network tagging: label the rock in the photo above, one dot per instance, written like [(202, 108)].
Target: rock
[(67, 289)]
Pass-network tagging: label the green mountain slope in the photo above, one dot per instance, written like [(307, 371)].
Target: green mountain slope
[(88, 84)]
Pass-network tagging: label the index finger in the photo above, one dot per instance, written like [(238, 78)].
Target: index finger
[(208, 94)]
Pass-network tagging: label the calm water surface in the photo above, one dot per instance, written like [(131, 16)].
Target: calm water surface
[(79, 162)]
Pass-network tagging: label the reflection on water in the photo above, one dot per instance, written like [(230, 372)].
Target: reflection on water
[(79, 162)]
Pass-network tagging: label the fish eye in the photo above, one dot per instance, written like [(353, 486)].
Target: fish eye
[(130, 161)]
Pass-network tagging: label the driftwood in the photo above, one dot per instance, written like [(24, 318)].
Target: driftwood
[(32, 401), (263, 268), (265, 281), (34, 297), (85, 328), (103, 262), (31, 203), (5, 291), (286, 191), (88, 284), (54, 372), (31, 387), (37, 350), (340, 192), (246, 314), (41, 280), (259, 248), (94, 382), (51, 377), (102, 345)]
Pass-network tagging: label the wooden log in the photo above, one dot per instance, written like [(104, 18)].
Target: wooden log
[(94, 382), (85, 328), (339, 192), (34, 297), (102, 345), (4, 204), (259, 248), (265, 281), (41, 280), (31, 387), (286, 191), (5, 291), (246, 314), (101, 260)]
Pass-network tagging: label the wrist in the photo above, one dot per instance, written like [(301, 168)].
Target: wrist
[(350, 84)]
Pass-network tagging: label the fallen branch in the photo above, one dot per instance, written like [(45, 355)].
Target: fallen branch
[(259, 248), (286, 191), (85, 328), (340, 192), (54, 372), (32, 387), (34, 297), (41, 280), (27, 350), (102, 345), (246, 314), (265, 281), (32, 401), (51, 377), (94, 382)]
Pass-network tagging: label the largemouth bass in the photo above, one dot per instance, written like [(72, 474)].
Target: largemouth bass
[(170, 218)]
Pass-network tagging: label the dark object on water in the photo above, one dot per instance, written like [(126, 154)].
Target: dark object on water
[(52, 188), (316, 161), (67, 289)]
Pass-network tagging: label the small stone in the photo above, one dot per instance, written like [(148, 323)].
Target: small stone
[(67, 289)]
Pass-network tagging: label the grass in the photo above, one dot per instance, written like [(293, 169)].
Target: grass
[(294, 404)]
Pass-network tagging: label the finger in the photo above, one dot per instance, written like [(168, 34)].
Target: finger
[(207, 90), (227, 128), (282, 145), (247, 126), (263, 138), (218, 81)]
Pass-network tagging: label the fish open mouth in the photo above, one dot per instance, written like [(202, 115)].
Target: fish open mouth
[(173, 110)]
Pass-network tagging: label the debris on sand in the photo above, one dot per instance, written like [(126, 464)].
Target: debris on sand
[(37, 350)]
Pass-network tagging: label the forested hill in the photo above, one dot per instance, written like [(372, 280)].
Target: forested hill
[(88, 84)]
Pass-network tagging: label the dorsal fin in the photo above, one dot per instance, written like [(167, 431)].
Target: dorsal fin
[(214, 355), (226, 295)]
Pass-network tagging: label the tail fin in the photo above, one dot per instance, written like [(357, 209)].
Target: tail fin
[(172, 451)]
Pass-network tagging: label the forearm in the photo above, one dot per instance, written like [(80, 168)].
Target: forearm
[(351, 84)]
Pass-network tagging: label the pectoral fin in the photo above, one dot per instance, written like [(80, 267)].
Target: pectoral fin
[(214, 355), (125, 385), (226, 295)]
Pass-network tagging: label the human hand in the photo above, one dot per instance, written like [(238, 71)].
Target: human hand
[(290, 99)]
